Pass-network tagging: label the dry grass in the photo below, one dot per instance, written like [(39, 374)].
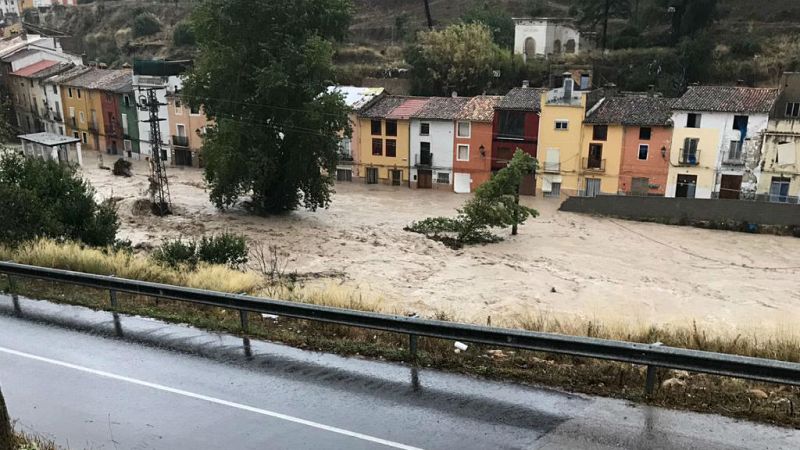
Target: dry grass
[(29, 442)]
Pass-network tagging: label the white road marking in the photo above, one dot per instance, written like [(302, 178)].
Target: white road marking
[(217, 401)]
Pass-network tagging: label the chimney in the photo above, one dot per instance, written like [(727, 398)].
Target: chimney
[(454, 94), (526, 83), (610, 90), (651, 90)]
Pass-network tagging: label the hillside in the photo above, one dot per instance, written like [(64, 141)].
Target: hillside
[(105, 31)]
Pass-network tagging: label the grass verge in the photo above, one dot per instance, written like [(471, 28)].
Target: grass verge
[(25, 441), (677, 389)]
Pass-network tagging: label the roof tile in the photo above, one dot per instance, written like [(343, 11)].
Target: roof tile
[(636, 110), (523, 99), (441, 108), (731, 99), (479, 109)]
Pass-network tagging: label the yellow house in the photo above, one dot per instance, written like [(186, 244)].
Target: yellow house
[(693, 161), (384, 139), (83, 108), (601, 156), (562, 151)]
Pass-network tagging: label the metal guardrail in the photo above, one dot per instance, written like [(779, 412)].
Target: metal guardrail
[(651, 355)]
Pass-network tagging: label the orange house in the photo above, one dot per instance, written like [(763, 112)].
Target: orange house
[(646, 140), (472, 149)]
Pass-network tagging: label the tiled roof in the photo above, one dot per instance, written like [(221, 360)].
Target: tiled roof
[(54, 70), (68, 75), (101, 79), (727, 99), (19, 54), (383, 107), (407, 109), (638, 110), (34, 68), (441, 108), (357, 97), (523, 99), (479, 109)]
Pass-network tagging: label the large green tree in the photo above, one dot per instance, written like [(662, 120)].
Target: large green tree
[(496, 18), (261, 75), (594, 12), (689, 17), (459, 58)]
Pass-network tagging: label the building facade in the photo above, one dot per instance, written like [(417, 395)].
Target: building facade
[(779, 180), (129, 120), (9, 7), (543, 37), (718, 131), (431, 142), (472, 150), (52, 89), (516, 126), (356, 99), (561, 141), (188, 129), (384, 139), (641, 125)]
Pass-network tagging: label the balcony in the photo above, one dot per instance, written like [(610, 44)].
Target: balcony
[(424, 159), (593, 164), (345, 159), (689, 157), (57, 117), (180, 141), (94, 129), (552, 167)]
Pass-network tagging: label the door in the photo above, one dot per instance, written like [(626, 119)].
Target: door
[(528, 186), (730, 186), (640, 186), (344, 175), (686, 186), (397, 177), (461, 183), (592, 187), (555, 190), (425, 179), (183, 157), (372, 175)]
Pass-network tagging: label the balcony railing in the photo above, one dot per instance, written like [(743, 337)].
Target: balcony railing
[(345, 158), (552, 167), (93, 128), (594, 165), (57, 117), (180, 141), (688, 157), (424, 159)]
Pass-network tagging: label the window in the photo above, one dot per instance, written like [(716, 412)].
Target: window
[(600, 132), (79, 93), (83, 117), (372, 175), (376, 129), (69, 92), (72, 111), (124, 124), (562, 124), (793, 109), (689, 151), (126, 100), (85, 138), (194, 110), (391, 128), (377, 147), (779, 190), (735, 151), (645, 133), (595, 160), (55, 89), (424, 129), (740, 123), (463, 153), (643, 150), (391, 148), (693, 120), (463, 129), (76, 135), (128, 145), (443, 177), (552, 163), (511, 124), (178, 106)]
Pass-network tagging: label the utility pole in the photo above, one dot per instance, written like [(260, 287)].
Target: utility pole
[(159, 184), (428, 14)]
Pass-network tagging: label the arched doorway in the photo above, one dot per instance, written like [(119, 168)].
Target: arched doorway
[(570, 47), (557, 47), (530, 48)]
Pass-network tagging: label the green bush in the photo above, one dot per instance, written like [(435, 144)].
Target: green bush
[(183, 34), (45, 199), (224, 249), (145, 24)]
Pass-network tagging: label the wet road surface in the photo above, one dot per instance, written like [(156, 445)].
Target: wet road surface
[(67, 375)]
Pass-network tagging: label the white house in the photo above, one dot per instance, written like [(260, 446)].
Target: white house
[(9, 7), (55, 122), (716, 145), (164, 78), (546, 36), (779, 180), (431, 142)]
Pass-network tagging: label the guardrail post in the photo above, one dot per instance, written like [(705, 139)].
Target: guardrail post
[(112, 296), (412, 346), (650, 381), (243, 320), (14, 296)]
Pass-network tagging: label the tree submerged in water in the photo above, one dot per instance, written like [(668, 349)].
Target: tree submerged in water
[(495, 205)]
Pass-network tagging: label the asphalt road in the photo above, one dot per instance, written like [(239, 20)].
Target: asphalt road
[(68, 376)]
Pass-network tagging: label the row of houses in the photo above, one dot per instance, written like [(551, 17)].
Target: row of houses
[(16, 7), (54, 93), (713, 142)]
